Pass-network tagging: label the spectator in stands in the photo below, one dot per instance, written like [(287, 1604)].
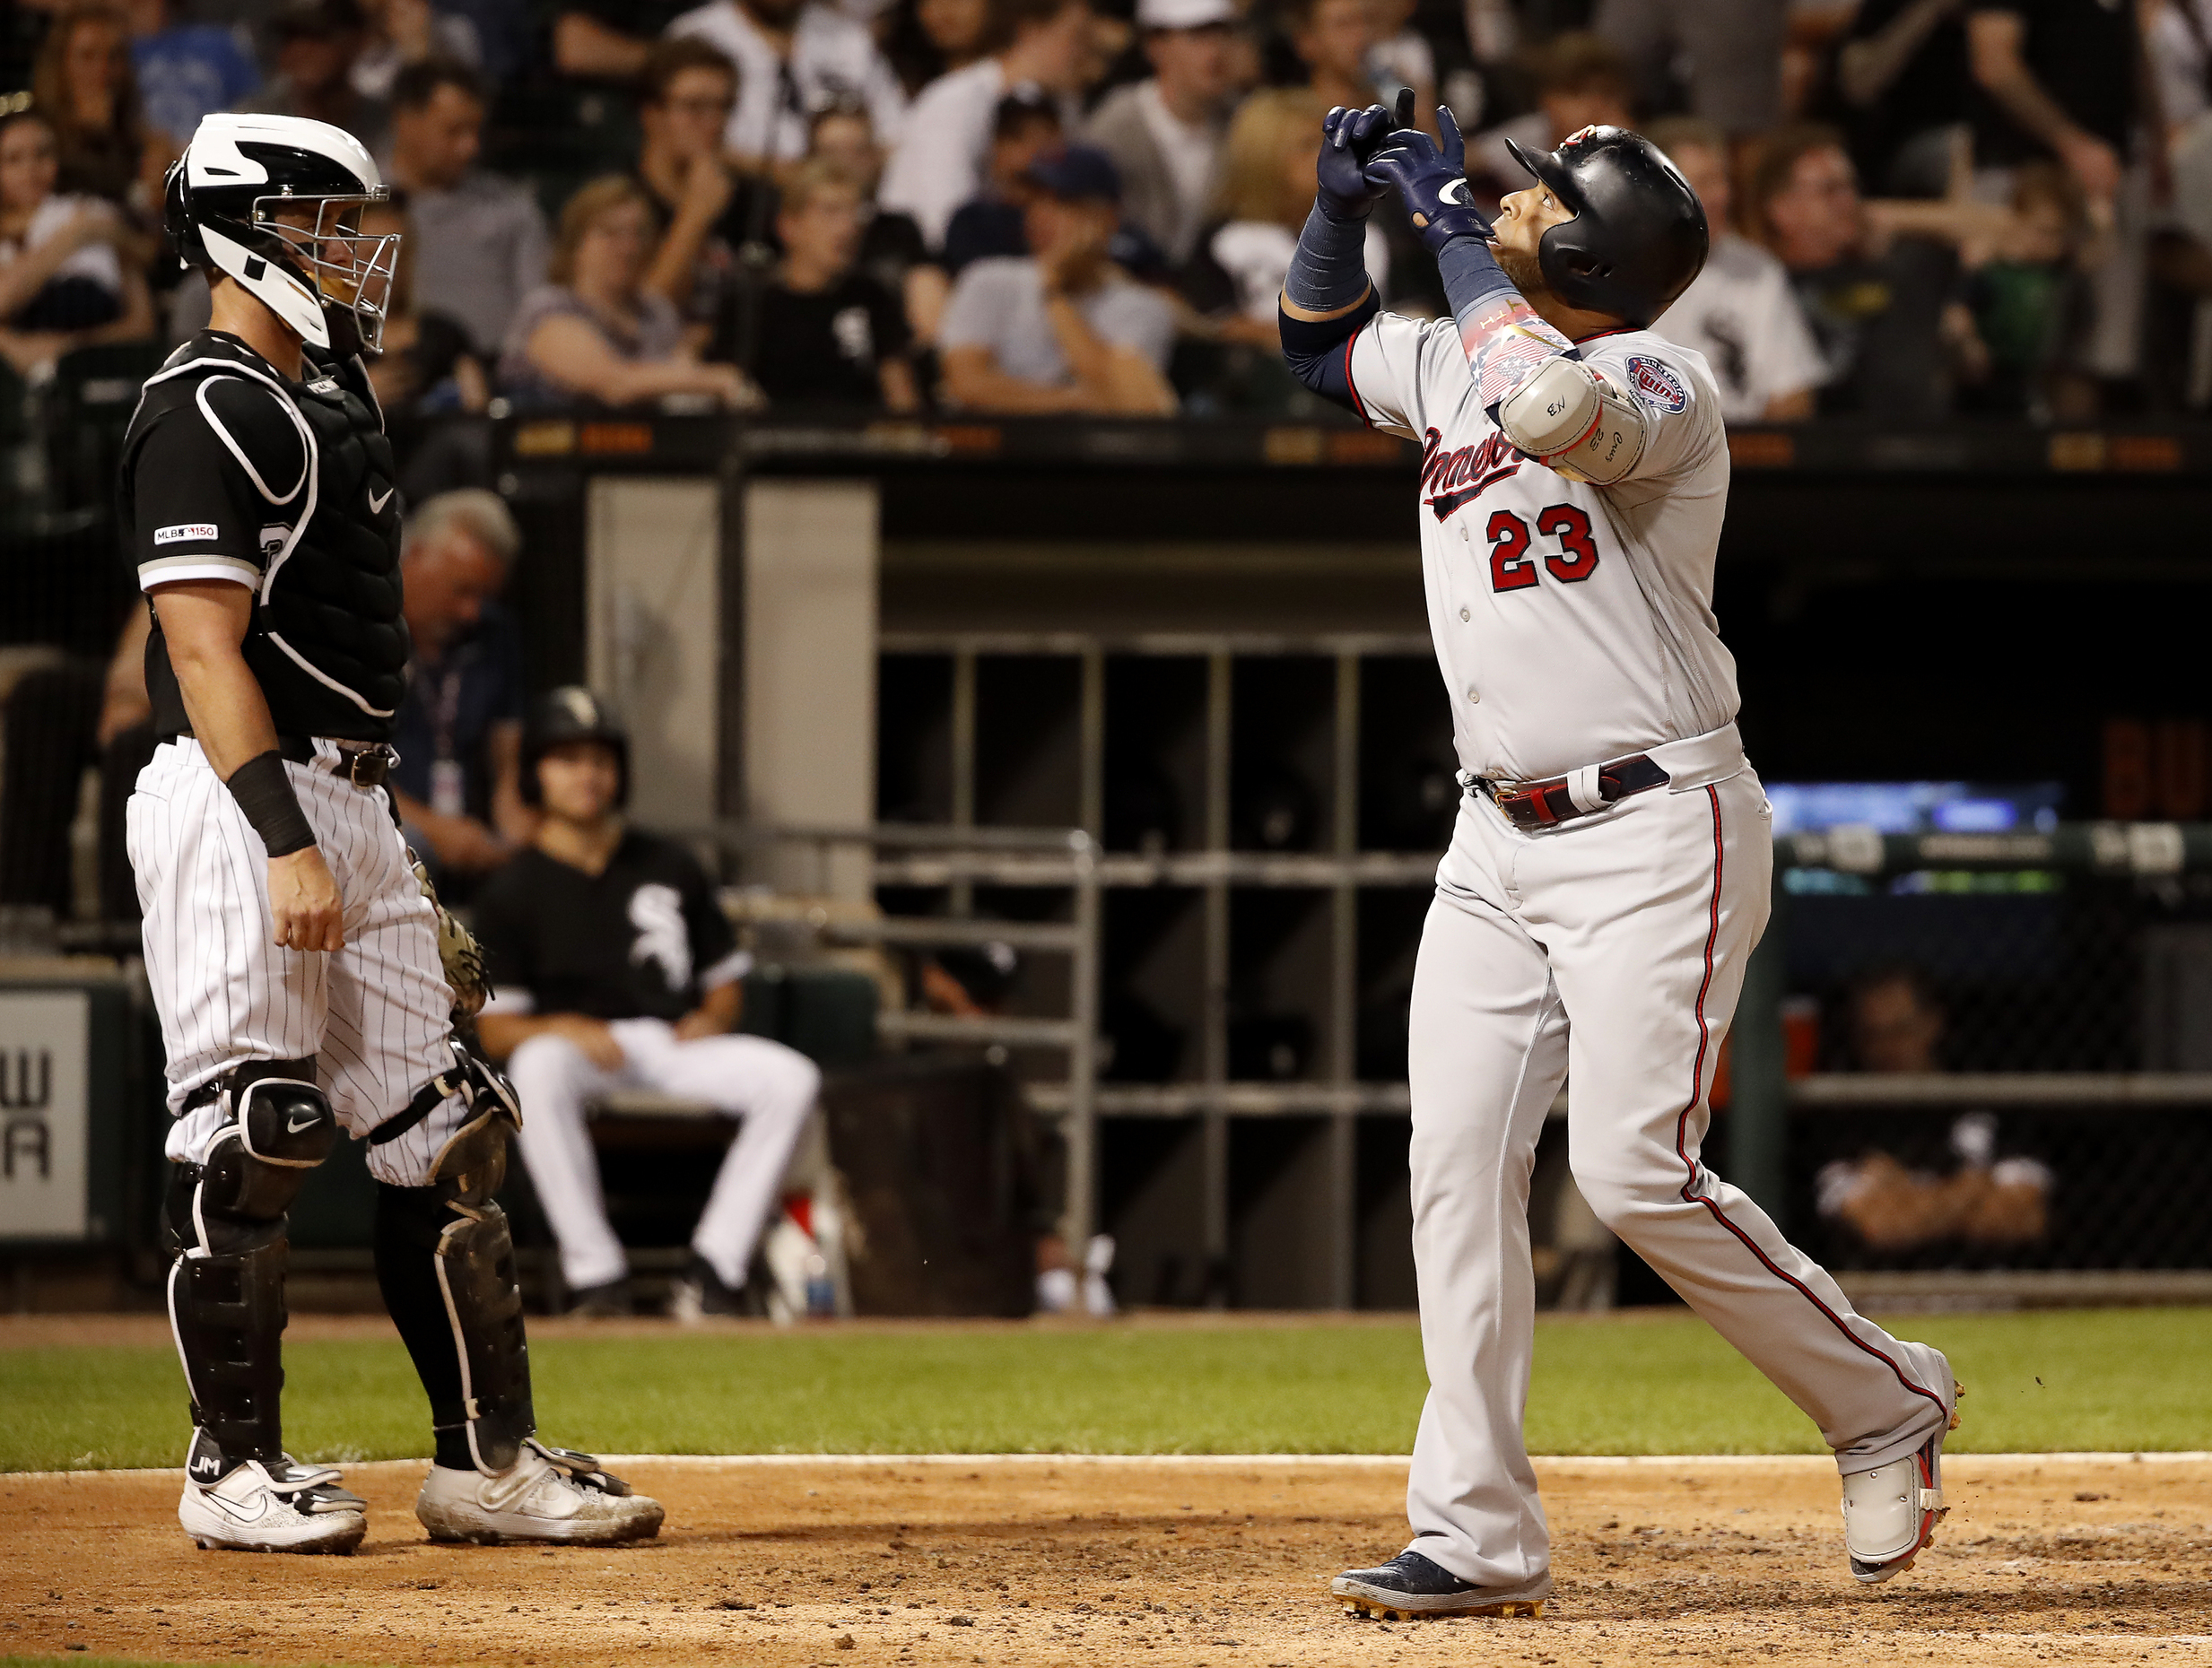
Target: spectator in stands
[(84, 88), (704, 211), (188, 70), (428, 366), (1581, 79), (2179, 43), (480, 241), (317, 43), (1901, 77), (792, 55), (1025, 128), (1267, 192), (1333, 39), (821, 331), (932, 37), (457, 784), (941, 159), (616, 968), (1728, 53), (595, 332), (1874, 299), (1165, 133), (2024, 308), (1740, 312), (1402, 57), (69, 271), (1063, 330), (398, 33), (2068, 83), (891, 251), (608, 41)]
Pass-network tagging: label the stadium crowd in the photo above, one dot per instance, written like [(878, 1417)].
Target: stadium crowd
[(1919, 206)]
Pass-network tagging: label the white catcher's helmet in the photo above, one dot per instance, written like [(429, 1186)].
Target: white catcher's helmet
[(275, 202)]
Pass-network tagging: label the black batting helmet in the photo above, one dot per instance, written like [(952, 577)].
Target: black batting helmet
[(1638, 235), (572, 712)]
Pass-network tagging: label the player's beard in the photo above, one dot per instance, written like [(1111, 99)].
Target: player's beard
[(1524, 269)]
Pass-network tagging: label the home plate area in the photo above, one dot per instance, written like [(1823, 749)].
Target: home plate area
[(1052, 1558)]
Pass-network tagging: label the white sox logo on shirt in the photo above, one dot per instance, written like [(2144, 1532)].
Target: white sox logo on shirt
[(1655, 385), (656, 911)]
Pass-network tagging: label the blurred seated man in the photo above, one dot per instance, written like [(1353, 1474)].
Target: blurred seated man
[(596, 335), (1063, 329), (614, 967), (704, 211), (1166, 134), (1872, 278), (1024, 129), (1740, 312), (477, 242), (457, 783), (820, 331)]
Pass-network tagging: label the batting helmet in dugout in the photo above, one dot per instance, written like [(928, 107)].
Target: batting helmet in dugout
[(572, 712), (1638, 236)]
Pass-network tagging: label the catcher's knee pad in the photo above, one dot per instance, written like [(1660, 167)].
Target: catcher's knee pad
[(476, 1110), (223, 1219)]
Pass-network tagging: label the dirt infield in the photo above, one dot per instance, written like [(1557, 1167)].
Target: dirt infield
[(998, 1561)]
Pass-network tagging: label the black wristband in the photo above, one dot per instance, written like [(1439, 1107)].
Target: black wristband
[(264, 793)]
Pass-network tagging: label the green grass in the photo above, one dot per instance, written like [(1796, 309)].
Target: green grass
[(2117, 1379)]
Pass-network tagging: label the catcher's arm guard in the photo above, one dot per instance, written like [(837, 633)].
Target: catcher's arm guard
[(458, 953)]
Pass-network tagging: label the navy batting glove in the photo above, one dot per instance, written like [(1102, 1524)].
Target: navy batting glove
[(1432, 180), (1349, 139)]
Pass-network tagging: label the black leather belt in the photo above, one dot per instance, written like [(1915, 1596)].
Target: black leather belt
[(365, 764), (1543, 804)]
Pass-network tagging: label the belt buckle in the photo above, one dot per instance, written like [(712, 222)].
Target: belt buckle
[(367, 767)]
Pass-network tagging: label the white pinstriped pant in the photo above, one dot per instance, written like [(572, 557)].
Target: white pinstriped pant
[(374, 1015), (1608, 952)]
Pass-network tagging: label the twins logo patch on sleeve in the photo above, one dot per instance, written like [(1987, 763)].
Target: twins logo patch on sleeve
[(186, 533), (1656, 383)]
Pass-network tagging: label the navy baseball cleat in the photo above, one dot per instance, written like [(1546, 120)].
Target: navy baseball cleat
[(1411, 1588)]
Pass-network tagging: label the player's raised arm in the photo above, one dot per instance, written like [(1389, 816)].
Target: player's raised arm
[(1327, 297), (1605, 240)]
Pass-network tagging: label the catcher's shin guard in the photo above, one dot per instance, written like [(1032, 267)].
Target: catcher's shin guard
[(224, 1221), (446, 1262)]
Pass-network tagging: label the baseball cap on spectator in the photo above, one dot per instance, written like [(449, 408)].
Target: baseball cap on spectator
[(316, 20), (1078, 173), (1184, 14)]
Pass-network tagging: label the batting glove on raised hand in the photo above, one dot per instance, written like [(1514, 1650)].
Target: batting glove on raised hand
[(1432, 181), (1349, 138)]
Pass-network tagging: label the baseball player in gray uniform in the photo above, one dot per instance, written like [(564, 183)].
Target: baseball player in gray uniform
[(1608, 873), (294, 959)]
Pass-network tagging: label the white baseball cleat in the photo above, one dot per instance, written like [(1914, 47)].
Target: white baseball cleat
[(1891, 1512), (548, 1494), (247, 1506)]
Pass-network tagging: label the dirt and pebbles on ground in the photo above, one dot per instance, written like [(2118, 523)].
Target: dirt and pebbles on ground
[(1048, 1561)]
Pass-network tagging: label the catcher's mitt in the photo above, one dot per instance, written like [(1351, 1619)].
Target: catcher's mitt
[(458, 953)]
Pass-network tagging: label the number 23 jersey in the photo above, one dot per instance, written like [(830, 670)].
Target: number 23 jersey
[(1574, 624)]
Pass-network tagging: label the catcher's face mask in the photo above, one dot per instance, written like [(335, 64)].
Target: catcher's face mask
[(351, 270)]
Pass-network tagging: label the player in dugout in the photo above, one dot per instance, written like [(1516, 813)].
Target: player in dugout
[(614, 967), (1609, 869)]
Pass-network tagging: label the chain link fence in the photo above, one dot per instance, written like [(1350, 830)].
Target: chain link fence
[(1995, 1052)]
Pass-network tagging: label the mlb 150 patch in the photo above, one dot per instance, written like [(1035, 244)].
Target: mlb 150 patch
[(1656, 383), (185, 533)]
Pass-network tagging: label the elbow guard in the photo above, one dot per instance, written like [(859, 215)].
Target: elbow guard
[(1573, 418)]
